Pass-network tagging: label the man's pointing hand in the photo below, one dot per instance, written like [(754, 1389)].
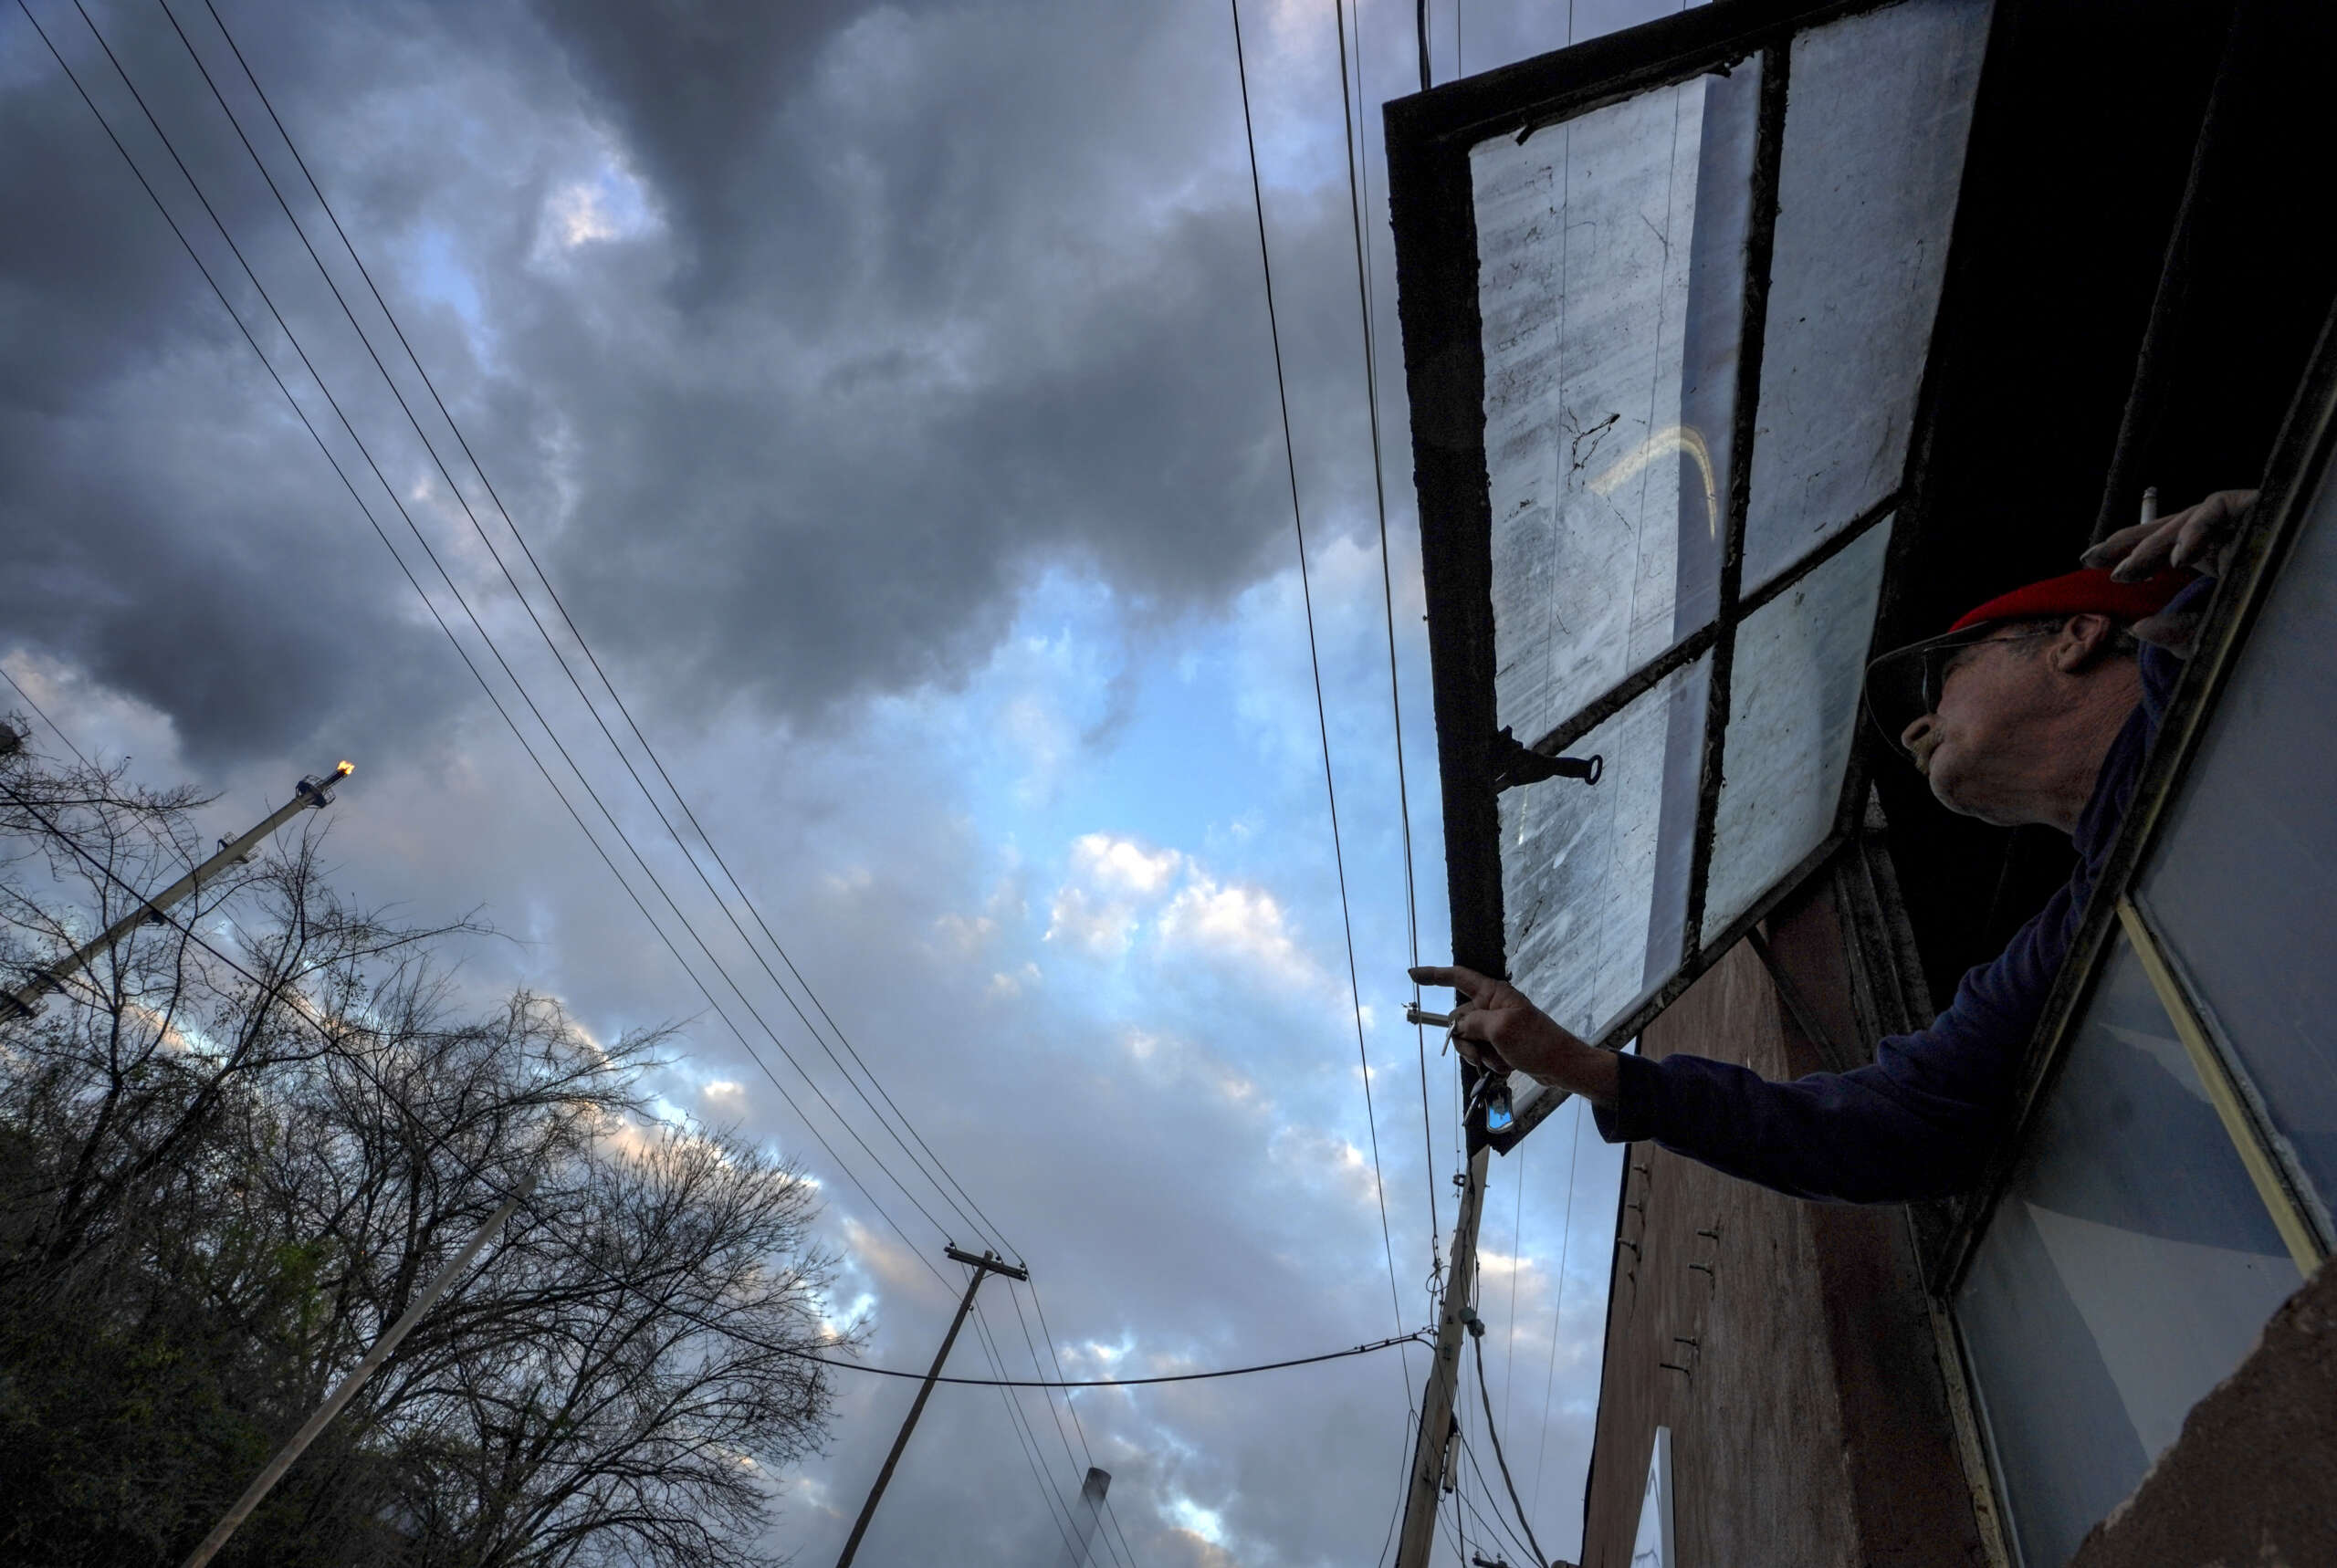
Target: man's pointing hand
[(1495, 1026)]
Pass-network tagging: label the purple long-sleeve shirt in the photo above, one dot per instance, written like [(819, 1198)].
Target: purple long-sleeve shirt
[(1921, 1120)]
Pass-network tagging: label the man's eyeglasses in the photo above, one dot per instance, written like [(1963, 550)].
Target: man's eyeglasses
[(1907, 683)]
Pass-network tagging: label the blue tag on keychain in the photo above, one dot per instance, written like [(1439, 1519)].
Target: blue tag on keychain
[(1492, 1089)]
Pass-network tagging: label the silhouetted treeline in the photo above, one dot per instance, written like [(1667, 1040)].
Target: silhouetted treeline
[(223, 1173)]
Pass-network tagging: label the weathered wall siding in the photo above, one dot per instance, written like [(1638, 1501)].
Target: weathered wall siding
[(1757, 1440), (1811, 1427), (2253, 1478), (1913, 1502)]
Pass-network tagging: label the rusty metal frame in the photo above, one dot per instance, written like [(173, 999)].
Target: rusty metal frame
[(1430, 199)]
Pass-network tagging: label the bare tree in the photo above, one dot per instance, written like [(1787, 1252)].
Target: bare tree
[(233, 1149)]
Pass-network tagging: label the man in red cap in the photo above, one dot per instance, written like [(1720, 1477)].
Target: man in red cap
[(2038, 706)]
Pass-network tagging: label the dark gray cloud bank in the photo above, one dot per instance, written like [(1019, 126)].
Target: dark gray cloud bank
[(808, 344), (877, 310)]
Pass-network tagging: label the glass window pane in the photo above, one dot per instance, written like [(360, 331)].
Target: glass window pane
[(1651, 1543), (1610, 286), (2244, 887), (1793, 709), (2128, 1269), (1594, 877), (1876, 119)]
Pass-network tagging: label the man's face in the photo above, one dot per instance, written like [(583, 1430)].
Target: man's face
[(1975, 747)]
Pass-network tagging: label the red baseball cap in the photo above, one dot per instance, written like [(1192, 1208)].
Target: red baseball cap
[(1905, 684), (2083, 593)]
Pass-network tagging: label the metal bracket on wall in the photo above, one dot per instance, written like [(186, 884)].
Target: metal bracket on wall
[(1515, 763)]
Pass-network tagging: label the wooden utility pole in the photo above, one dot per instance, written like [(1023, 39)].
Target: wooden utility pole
[(983, 1266), (1432, 1450), (312, 792), (266, 1480)]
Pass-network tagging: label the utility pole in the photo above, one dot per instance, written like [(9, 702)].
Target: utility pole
[(265, 1481), (311, 793), (987, 1264), (1432, 1450), (1086, 1517)]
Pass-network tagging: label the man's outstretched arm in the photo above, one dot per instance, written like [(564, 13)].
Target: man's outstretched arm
[(1916, 1124)]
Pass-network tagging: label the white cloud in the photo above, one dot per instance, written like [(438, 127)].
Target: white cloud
[(963, 935), (1006, 988), (1124, 863), (1205, 1523), (611, 205), (1097, 910), (1234, 921), (581, 216), (1099, 927)]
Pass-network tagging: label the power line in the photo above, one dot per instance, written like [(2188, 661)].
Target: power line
[(1415, 1337), (45, 719), (1048, 1334), (1404, 1450), (979, 1225), (1358, 189), (1557, 1313), (1058, 1511), (1315, 661), (476, 673), (1493, 1434), (1469, 1452), (1516, 1245), (1015, 1301)]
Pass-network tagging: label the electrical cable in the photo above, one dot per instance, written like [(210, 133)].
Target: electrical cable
[(1402, 1489), (1516, 1266), (1493, 1434), (1497, 1523), (1321, 719), (978, 1226), (475, 672), (45, 719), (1031, 1346), (1020, 1419), (1454, 1524), (1046, 1398), (1418, 1336), (1557, 1313), (1048, 1334), (1358, 188)]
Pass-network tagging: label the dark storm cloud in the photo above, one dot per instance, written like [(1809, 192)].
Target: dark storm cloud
[(904, 305)]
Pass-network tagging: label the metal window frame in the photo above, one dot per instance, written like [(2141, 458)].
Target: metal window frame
[(2220, 1077), (1432, 203), (2303, 460)]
